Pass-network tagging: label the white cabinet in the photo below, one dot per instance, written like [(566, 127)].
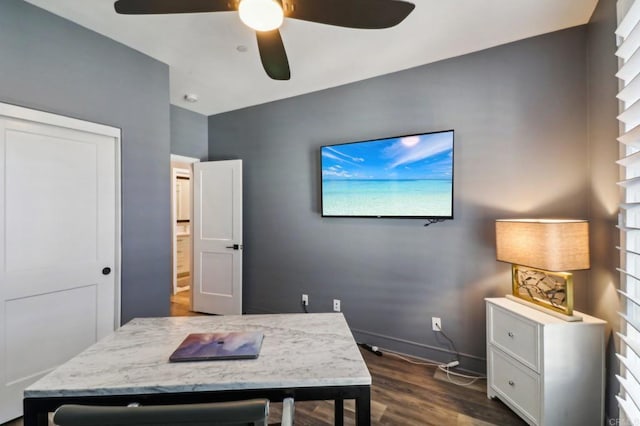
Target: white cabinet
[(549, 371)]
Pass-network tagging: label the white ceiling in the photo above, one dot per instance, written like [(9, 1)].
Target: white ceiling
[(201, 49)]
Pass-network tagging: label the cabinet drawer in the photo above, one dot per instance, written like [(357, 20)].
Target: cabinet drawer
[(515, 335), (515, 384)]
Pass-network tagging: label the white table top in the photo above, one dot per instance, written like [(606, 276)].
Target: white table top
[(299, 350)]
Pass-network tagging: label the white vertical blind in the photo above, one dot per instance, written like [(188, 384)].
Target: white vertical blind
[(628, 53)]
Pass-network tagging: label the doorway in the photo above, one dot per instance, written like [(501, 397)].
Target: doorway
[(206, 224), (181, 231)]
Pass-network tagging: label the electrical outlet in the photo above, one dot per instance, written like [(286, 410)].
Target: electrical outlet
[(305, 299), (336, 305), (436, 324)]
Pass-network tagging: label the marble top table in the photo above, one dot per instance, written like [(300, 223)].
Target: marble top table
[(304, 356)]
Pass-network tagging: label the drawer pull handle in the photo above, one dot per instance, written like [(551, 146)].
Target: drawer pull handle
[(510, 334), (511, 383)]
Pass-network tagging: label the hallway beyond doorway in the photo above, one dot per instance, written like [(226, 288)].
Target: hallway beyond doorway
[(181, 305)]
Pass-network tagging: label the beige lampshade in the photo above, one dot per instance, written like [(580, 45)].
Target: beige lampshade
[(549, 244)]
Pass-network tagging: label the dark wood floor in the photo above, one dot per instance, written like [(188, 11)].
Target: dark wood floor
[(402, 394)]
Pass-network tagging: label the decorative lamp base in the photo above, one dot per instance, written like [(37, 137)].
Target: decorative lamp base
[(551, 291), (568, 318)]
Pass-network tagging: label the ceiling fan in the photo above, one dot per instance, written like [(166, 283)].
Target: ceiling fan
[(266, 16)]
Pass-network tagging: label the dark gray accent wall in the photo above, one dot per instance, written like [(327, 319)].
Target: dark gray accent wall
[(189, 133), (51, 64), (602, 87), (518, 112)]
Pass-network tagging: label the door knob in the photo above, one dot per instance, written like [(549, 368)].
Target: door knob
[(106, 270), (235, 247)]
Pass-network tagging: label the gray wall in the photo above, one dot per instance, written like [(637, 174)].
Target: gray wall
[(518, 112), (603, 152), (51, 64), (189, 133)]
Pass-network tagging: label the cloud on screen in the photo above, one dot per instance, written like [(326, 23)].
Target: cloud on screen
[(407, 151)]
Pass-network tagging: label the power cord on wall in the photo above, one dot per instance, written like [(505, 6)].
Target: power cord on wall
[(446, 368), (432, 221), (453, 345)]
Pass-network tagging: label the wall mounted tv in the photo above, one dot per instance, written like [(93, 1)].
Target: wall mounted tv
[(401, 177)]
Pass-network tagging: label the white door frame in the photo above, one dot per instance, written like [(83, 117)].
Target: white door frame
[(174, 215), (13, 111)]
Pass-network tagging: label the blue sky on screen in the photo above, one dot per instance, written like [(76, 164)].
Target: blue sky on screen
[(411, 157)]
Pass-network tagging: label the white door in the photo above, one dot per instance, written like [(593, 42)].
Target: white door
[(58, 231), (217, 237)]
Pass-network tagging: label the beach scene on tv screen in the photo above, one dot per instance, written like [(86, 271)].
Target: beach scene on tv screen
[(404, 176)]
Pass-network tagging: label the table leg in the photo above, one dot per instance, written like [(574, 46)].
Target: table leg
[(363, 408), (339, 412), (33, 417)]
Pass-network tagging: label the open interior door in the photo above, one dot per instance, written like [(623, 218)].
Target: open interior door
[(217, 237)]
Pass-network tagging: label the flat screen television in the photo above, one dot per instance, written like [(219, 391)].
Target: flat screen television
[(401, 177)]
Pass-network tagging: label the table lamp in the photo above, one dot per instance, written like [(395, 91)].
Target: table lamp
[(542, 252)]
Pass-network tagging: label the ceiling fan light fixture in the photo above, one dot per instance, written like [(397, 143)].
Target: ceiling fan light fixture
[(261, 15)]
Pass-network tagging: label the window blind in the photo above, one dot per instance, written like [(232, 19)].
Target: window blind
[(628, 53)]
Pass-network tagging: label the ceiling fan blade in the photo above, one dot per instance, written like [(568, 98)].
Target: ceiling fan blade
[(272, 54), (363, 14), (153, 7)]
